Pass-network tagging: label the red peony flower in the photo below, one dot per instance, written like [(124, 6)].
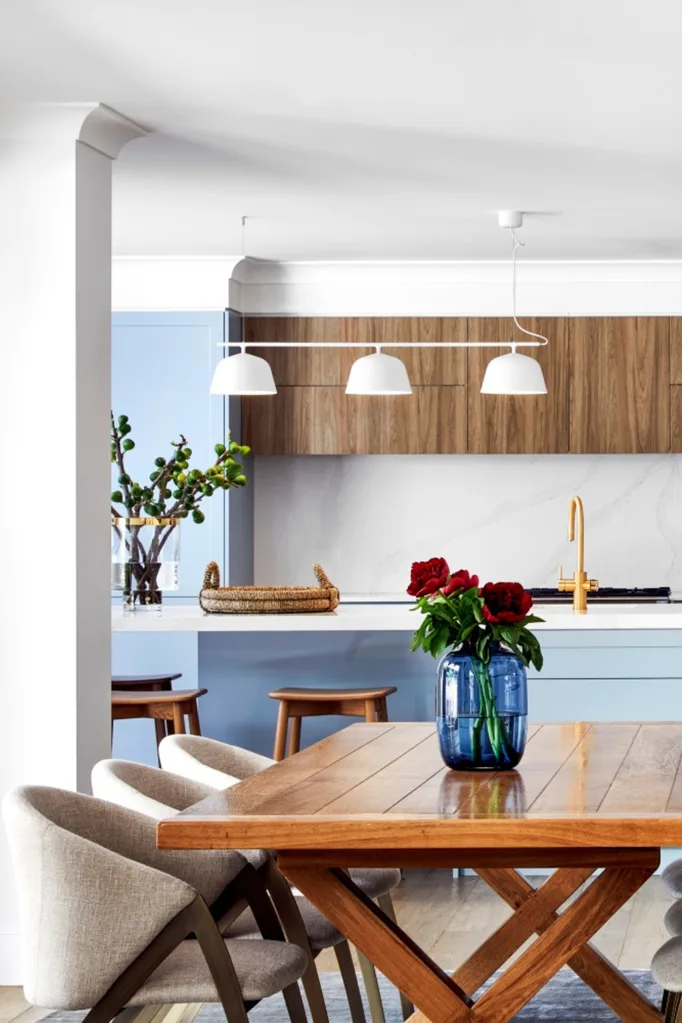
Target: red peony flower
[(428, 576), (505, 603), (459, 580)]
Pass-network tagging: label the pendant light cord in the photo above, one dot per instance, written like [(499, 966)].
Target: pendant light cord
[(516, 244)]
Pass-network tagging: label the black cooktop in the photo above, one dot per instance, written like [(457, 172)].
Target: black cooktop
[(607, 594)]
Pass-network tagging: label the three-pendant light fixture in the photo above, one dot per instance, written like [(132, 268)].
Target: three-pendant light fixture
[(382, 374)]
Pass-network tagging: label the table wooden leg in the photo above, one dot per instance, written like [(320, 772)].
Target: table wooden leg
[(563, 939), (590, 965), (382, 941), (559, 943), (531, 913)]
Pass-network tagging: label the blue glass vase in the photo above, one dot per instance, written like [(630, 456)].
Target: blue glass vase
[(481, 711)]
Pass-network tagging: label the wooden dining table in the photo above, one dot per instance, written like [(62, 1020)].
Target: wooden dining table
[(594, 801)]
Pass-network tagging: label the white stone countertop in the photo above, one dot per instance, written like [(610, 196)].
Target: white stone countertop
[(385, 617)]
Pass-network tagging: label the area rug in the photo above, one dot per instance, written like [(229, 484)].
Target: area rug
[(564, 1000)]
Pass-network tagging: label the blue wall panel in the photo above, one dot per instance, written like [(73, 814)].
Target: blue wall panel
[(161, 372)]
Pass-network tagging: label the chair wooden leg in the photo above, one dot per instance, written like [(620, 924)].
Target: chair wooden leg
[(178, 719), (370, 711), (193, 717), (270, 927), (386, 903), (672, 1001), (350, 982), (219, 963), (295, 736), (289, 914), (279, 751), (382, 710), (369, 979)]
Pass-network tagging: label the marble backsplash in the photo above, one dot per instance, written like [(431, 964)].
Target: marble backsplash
[(366, 518)]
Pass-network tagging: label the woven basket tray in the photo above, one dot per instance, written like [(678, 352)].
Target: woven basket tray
[(266, 599)]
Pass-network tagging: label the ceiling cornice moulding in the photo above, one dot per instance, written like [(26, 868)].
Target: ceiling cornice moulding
[(94, 124), (549, 288)]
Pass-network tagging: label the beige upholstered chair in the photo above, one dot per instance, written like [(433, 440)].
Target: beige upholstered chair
[(221, 765), (214, 763), (107, 917), (159, 794), (667, 963)]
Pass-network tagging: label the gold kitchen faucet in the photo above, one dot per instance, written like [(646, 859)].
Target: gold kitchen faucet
[(579, 585)]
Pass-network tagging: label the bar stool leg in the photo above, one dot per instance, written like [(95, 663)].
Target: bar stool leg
[(295, 736), (160, 729), (178, 719), (193, 716), (280, 749), (370, 711)]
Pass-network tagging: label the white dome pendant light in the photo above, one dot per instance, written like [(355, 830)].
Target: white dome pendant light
[(378, 374), (242, 375), (514, 373)]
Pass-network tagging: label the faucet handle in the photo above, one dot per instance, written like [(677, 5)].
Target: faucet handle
[(592, 585)]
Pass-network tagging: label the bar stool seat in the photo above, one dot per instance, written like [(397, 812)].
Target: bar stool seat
[(169, 706), (142, 683), (298, 702)]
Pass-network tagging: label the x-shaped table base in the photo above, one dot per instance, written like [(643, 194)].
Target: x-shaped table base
[(562, 938)]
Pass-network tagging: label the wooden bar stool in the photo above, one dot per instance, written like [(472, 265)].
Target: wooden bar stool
[(166, 706), (146, 684), (296, 704)]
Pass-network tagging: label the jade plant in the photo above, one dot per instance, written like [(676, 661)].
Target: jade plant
[(174, 491)]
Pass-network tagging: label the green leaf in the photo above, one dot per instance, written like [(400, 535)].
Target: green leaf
[(198, 516), (160, 462), (124, 479), (117, 496), (220, 449)]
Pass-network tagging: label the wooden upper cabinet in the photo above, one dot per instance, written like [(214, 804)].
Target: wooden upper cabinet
[(519, 425), (676, 350), (620, 385), (327, 421), (331, 366), (676, 382)]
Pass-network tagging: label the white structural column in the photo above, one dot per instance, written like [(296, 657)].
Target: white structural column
[(55, 354)]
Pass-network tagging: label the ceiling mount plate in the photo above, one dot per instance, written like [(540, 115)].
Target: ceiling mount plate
[(510, 218)]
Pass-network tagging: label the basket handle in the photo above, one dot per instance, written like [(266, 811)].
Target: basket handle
[(322, 577), (212, 576)]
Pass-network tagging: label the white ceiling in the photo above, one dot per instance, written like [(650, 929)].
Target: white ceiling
[(375, 129)]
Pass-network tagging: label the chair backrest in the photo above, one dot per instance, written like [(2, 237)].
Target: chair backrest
[(213, 763), (160, 794), (91, 889), (148, 790)]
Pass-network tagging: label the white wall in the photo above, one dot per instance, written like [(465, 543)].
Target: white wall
[(55, 357), (366, 518)]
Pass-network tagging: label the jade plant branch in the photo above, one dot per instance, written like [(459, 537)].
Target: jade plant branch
[(174, 492)]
